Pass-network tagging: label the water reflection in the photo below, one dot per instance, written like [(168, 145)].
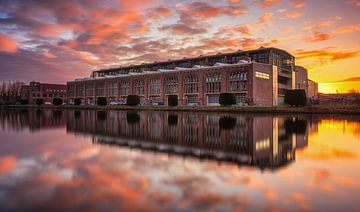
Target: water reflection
[(114, 160)]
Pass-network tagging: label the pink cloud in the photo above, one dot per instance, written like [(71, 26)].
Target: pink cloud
[(7, 44)]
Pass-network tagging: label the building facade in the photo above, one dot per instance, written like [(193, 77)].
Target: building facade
[(313, 89), (43, 91), (259, 76), (252, 83)]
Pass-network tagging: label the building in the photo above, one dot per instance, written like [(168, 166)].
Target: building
[(43, 91), (301, 75), (312, 89), (259, 77)]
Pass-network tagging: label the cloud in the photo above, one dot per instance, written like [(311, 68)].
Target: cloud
[(48, 55), (7, 163), (347, 29), (316, 26), (326, 53), (294, 15), (268, 3), (7, 44), (298, 3), (159, 12), (317, 37)]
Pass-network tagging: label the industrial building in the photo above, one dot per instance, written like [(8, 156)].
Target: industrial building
[(256, 77), (43, 91)]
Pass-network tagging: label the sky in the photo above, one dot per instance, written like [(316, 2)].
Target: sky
[(57, 41)]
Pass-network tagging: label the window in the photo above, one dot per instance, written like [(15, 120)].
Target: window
[(90, 89), (80, 90), (71, 90), (190, 100), (171, 84), (213, 99), (100, 89), (237, 81), (154, 86), (139, 86), (191, 84), (112, 88), (262, 75), (124, 88), (213, 83)]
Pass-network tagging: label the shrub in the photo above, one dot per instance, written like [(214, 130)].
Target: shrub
[(295, 97), (24, 101), (133, 100), (227, 123), (39, 101), (173, 100), (101, 101), (57, 101), (172, 120), (77, 101), (226, 99), (132, 118)]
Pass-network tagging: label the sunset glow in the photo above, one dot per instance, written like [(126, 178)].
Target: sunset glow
[(57, 41)]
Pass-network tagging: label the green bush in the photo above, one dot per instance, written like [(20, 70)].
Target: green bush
[(295, 97), (39, 101), (173, 100), (101, 101), (77, 101), (227, 123), (57, 101), (226, 99), (133, 100)]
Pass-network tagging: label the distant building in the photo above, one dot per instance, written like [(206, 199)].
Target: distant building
[(312, 89), (301, 74), (259, 77), (44, 91)]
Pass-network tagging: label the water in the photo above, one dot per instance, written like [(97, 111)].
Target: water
[(98, 160)]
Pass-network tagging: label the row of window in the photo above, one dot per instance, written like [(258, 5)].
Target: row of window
[(49, 95)]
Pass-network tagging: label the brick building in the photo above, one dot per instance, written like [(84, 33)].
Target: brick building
[(259, 77), (44, 91)]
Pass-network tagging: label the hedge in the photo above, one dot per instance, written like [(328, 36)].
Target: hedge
[(226, 99), (39, 101), (101, 101), (133, 100), (295, 97), (57, 101), (77, 101), (173, 100)]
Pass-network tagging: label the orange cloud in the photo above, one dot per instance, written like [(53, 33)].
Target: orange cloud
[(294, 15), (325, 54), (317, 37), (7, 44), (316, 26), (49, 55), (159, 12), (347, 29), (298, 3), (7, 163), (269, 3)]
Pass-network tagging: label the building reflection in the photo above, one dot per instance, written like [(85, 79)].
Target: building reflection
[(32, 119), (262, 141)]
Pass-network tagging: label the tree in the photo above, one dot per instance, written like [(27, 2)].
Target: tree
[(173, 100), (226, 99), (133, 100)]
